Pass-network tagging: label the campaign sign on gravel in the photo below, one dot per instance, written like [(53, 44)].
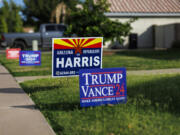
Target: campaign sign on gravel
[(12, 53), (102, 86), (30, 58), (69, 55)]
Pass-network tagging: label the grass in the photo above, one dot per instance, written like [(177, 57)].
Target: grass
[(16, 70), (153, 107), (144, 60), (132, 60)]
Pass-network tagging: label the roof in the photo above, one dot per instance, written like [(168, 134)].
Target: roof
[(148, 7)]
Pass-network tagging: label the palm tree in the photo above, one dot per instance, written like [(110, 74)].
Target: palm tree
[(59, 13), (62, 9)]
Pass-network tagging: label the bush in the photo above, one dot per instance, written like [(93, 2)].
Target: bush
[(90, 21)]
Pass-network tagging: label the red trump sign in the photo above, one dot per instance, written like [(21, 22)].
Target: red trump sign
[(12, 53)]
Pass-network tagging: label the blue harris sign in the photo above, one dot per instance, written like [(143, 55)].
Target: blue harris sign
[(72, 54), (102, 86), (30, 58)]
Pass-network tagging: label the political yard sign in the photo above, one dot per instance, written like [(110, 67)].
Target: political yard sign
[(30, 58), (72, 54), (12, 53), (102, 86)]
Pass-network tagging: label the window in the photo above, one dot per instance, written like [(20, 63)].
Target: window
[(50, 28), (61, 28)]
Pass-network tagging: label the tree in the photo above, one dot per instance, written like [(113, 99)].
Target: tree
[(43, 11), (3, 25), (16, 21), (59, 11), (10, 20), (91, 21)]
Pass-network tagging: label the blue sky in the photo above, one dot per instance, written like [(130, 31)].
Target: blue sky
[(18, 2)]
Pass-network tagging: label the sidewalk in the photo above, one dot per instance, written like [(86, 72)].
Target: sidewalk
[(17, 113), (155, 71)]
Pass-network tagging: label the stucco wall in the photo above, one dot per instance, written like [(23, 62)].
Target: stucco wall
[(144, 28), (164, 36)]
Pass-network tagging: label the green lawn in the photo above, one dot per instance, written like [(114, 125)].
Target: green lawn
[(16, 70), (153, 107), (144, 60), (132, 60)]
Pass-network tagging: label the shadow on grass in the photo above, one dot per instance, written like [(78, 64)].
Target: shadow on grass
[(162, 93), (56, 126), (60, 106), (159, 55), (38, 89), (30, 73)]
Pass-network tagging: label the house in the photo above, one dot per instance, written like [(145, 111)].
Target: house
[(150, 13), (28, 29)]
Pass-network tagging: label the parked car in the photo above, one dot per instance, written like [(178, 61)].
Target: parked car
[(24, 40)]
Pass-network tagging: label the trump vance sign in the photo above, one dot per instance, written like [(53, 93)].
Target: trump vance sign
[(72, 54), (30, 58), (102, 86)]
